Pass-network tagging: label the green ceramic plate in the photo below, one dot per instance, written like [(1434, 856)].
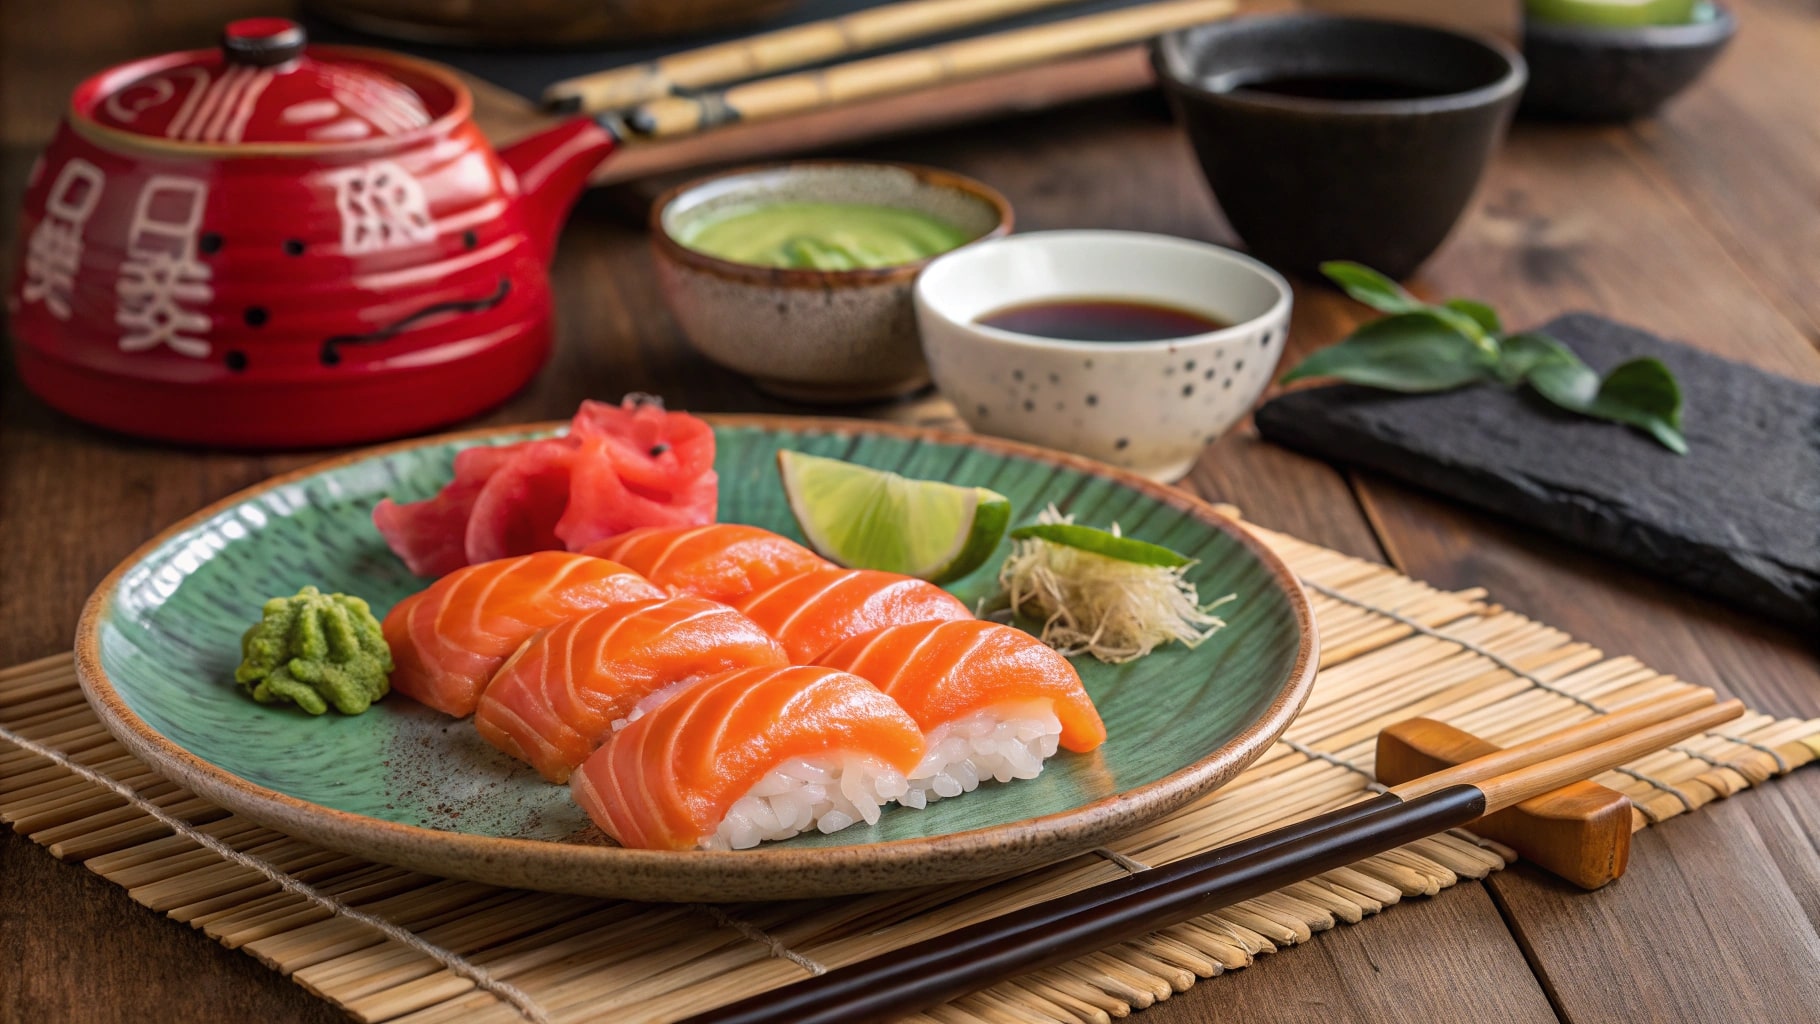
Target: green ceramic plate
[(160, 638)]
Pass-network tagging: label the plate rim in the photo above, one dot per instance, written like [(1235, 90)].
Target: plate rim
[(768, 872)]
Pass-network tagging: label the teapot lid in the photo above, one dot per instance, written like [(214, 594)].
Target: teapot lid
[(264, 85)]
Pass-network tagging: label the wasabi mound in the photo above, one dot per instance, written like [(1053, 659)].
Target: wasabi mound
[(313, 650)]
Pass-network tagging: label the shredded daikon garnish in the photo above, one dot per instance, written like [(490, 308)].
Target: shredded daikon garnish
[(1094, 604)]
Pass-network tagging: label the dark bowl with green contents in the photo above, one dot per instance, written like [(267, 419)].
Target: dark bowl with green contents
[(1588, 70), (799, 274)]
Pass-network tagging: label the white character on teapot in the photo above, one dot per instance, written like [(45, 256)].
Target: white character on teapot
[(54, 252), (162, 281), (382, 207)]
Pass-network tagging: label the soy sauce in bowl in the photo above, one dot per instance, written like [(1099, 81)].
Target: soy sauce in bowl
[(1355, 88), (1082, 319)]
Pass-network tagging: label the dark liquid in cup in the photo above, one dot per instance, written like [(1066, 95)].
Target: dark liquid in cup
[(1101, 320), (1336, 87)]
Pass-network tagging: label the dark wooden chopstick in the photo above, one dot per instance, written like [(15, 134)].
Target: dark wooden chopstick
[(1056, 931)]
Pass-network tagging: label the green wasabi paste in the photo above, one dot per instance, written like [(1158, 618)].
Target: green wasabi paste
[(314, 650), (822, 236)]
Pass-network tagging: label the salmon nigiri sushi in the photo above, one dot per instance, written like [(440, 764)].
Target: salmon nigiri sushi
[(750, 755), (993, 701), (812, 612), (449, 640), (720, 561), (555, 699)]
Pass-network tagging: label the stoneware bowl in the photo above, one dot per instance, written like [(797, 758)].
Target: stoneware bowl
[(1303, 179), (823, 336), (1147, 406), (1594, 73)]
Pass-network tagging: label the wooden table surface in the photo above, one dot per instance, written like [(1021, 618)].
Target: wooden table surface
[(1703, 224)]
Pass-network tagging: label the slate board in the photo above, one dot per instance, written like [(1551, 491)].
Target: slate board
[(1737, 518)]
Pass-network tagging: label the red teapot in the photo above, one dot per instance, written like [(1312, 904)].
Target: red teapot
[(274, 245)]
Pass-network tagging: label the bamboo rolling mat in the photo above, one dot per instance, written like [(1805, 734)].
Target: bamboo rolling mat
[(1392, 648)]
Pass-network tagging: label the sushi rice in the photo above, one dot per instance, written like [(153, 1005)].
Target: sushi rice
[(826, 793), (831, 792), (1004, 742)]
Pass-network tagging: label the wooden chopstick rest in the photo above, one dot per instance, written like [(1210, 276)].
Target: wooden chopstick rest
[(1580, 832)]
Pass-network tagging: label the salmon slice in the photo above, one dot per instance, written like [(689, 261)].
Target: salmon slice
[(942, 671), (994, 702), (396, 630), (797, 742), (720, 561), (555, 699), (449, 640), (814, 611)]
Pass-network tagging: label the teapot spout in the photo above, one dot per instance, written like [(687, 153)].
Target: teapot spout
[(552, 167)]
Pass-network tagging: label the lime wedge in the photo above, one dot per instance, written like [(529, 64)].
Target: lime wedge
[(1102, 542), (867, 518)]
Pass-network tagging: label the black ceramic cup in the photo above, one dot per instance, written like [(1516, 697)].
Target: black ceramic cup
[(1594, 73), (1307, 178)]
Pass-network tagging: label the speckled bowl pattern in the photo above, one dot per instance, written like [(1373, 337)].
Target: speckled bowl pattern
[(401, 784), (811, 335), (1145, 406), (1590, 73)]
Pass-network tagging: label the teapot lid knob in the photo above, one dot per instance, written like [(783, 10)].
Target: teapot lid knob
[(262, 42)]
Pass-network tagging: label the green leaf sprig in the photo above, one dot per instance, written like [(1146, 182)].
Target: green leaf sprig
[(1419, 347)]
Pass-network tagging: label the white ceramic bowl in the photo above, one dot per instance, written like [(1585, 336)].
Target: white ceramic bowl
[(1149, 406)]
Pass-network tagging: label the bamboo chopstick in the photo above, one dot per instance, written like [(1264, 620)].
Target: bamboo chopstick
[(1620, 722), (919, 68), (1052, 932), (1509, 789), (781, 50)]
